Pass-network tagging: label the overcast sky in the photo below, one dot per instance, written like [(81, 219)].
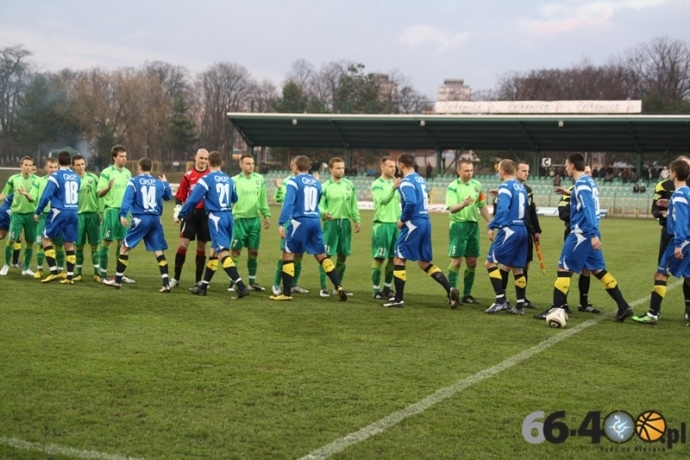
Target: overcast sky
[(427, 41)]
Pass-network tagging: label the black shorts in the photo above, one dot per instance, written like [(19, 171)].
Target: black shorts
[(195, 226)]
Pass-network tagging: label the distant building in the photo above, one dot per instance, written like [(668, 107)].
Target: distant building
[(388, 90), (454, 89)]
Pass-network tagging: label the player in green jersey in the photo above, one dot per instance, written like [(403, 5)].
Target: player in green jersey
[(278, 197), (465, 201), (89, 218), (111, 188), (384, 232), (251, 207), (23, 208), (338, 206), (50, 166)]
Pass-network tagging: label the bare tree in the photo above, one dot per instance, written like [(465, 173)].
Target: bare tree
[(262, 96), (15, 75), (222, 88), (663, 67)]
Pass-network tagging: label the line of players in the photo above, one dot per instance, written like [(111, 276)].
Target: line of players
[(401, 208)]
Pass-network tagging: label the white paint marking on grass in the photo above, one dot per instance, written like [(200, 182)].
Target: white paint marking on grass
[(444, 393), (54, 449)]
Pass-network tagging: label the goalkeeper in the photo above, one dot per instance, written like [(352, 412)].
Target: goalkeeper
[(195, 225)]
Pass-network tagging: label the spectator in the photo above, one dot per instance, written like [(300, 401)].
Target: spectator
[(371, 172), (416, 168), (595, 173), (636, 188), (557, 180), (663, 175), (608, 177), (429, 170)]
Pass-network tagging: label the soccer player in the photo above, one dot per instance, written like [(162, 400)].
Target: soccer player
[(143, 199), (582, 248), (62, 191), (23, 207), (662, 194), (217, 190), (89, 219), (531, 222), (676, 258), (196, 224), (250, 209), (585, 277), (5, 216), (301, 208), (509, 244), (50, 166), (338, 205), (111, 189), (384, 233), (465, 201), (279, 197), (414, 239)]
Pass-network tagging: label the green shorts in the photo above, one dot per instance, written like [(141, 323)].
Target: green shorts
[(89, 229), (463, 239), (337, 237), (112, 229), (40, 226), (19, 222), (246, 233), (383, 239)]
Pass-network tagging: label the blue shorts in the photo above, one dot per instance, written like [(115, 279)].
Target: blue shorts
[(414, 241), (304, 236), (578, 253), (669, 265), (220, 229), (510, 247), (5, 221), (63, 222), (149, 229)]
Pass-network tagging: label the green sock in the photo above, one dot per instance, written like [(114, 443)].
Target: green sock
[(252, 267), (376, 276), (95, 260), (8, 253), (104, 250), (322, 278), (298, 269), (453, 275), (388, 280), (340, 269), (60, 256), (278, 275), (469, 281), (40, 257), (80, 258), (28, 253)]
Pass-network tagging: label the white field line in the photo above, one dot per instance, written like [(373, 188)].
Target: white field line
[(444, 393), (54, 449)]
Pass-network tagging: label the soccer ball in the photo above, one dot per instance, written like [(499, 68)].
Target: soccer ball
[(557, 317)]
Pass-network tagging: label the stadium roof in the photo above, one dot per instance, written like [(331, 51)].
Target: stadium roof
[(627, 133)]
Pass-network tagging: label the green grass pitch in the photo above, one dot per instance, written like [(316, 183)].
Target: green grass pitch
[(141, 374)]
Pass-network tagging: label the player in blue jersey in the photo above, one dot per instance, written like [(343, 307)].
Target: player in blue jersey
[(143, 199), (582, 248), (5, 216), (301, 212), (217, 190), (509, 245), (676, 258), (414, 239), (62, 191)]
